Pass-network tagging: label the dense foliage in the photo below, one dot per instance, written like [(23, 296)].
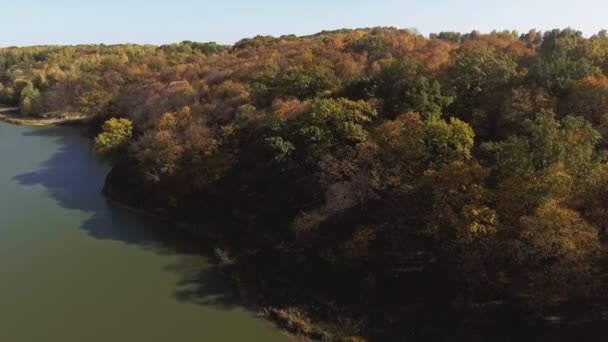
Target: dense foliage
[(375, 179)]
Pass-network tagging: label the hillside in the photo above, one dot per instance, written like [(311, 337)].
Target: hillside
[(369, 183)]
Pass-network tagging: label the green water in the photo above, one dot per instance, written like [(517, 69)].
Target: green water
[(73, 268)]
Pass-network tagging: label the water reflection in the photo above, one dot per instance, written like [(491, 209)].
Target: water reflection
[(74, 180)]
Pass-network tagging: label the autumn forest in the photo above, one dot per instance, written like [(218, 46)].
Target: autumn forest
[(369, 184)]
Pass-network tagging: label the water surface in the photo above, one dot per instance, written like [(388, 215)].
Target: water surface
[(73, 268)]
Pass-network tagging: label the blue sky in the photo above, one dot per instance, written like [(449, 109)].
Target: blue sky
[(33, 22)]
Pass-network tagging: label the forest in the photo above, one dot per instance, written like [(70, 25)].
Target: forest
[(368, 184)]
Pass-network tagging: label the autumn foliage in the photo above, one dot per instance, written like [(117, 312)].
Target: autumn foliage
[(374, 174)]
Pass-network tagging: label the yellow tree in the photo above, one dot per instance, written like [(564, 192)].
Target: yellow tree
[(556, 250), (114, 136)]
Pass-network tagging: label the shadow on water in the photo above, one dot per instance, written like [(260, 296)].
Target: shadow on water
[(73, 178)]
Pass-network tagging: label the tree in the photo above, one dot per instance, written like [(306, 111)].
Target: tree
[(462, 221), (93, 102), (116, 133), (547, 142), (453, 37), (179, 147), (29, 95), (326, 123), (520, 105), (567, 42), (550, 160), (481, 71), (461, 211), (591, 202), (404, 88), (179, 94), (375, 166), (400, 151), (476, 78), (308, 82), (558, 73), (589, 99), (556, 249), (446, 142)]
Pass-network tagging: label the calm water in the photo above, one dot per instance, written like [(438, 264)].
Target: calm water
[(72, 268)]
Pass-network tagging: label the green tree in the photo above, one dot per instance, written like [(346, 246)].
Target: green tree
[(308, 82), (93, 102), (448, 141), (404, 88), (481, 71), (325, 123), (559, 73), (547, 142), (477, 78), (551, 159)]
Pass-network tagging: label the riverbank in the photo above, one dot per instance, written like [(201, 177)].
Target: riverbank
[(296, 323), (11, 115), (239, 268), (248, 272), (177, 288)]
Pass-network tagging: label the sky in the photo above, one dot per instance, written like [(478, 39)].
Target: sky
[(37, 22)]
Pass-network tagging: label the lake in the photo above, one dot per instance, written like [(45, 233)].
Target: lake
[(74, 268)]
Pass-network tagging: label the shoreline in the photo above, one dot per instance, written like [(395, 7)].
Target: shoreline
[(292, 322), (9, 115)]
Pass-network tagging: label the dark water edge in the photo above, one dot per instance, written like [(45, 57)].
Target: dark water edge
[(76, 268), (495, 321), (223, 289)]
